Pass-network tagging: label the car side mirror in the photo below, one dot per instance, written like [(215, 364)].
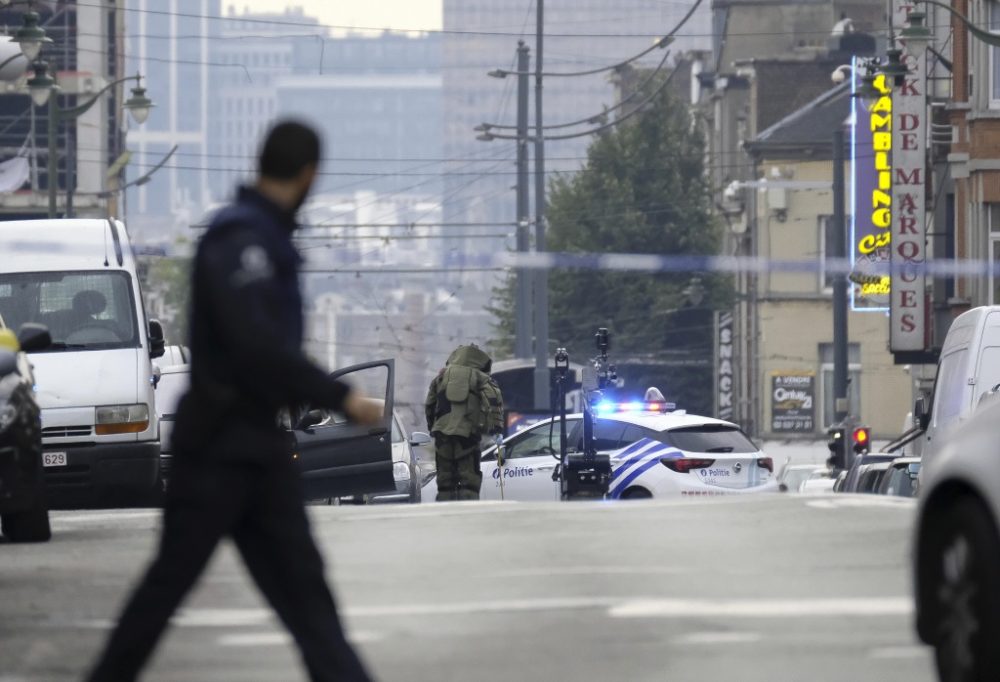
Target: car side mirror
[(157, 344), (309, 419), (418, 438), (34, 337), (921, 412)]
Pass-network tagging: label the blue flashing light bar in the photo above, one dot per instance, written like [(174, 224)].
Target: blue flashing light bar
[(606, 407)]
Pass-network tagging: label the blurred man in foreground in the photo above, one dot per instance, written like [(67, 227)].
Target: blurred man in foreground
[(233, 472)]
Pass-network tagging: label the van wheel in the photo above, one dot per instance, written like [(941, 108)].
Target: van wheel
[(960, 559), (30, 525), (637, 494)]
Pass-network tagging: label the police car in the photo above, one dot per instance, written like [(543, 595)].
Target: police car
[(656, 451)]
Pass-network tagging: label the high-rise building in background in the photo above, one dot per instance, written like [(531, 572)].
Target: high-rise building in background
[(171, 44)]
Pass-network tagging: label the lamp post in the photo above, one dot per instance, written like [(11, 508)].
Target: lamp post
[(42, 87)]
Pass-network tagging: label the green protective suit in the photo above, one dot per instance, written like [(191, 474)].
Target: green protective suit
[(457, 419)]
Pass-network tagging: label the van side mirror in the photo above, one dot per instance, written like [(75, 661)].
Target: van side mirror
[(34, 337), (921, 412), (157, 344)]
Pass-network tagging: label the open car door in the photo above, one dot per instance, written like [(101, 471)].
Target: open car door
[(338, 458)]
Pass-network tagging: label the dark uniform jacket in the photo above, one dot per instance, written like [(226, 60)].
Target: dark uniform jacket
[(246, 337)]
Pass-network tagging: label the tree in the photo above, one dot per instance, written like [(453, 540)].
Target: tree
[(642, 190)]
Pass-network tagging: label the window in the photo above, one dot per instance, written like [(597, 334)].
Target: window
[(853, 381), (993, 10), (993, 239), (85, 310), (541, 440), (949, 387), (708, 438)]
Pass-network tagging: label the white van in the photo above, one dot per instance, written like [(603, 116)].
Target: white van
[(968, 370), (95, 382)]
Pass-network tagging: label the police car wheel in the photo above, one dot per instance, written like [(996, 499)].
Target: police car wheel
[(636, 494)]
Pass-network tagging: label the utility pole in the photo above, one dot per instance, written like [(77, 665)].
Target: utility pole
[(522, 304), (840, 409), (542, 383)]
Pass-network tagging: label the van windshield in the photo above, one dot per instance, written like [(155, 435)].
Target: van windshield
[(83, 310)]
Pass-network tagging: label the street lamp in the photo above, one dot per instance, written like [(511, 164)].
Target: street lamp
[(42, 86), (31, 37), (916, 35), (991, 39)]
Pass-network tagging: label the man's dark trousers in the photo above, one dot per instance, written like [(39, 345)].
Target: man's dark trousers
[(258, 504)]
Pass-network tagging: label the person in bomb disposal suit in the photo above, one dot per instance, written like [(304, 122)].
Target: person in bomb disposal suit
[(463, 404), (234, 473)]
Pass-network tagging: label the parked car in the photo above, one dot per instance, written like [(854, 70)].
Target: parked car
[(336, 458), (902, 478), (957, 552), (24, 515), (406, 469), (852, 482), (793, 477), (170, 387), (656, 451)]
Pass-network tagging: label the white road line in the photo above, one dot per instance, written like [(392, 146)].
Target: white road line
[(900, 652), (105, 517), (718, 638), (862, 502), (221, 618), (476, 607), (761, 608), (255, 639)]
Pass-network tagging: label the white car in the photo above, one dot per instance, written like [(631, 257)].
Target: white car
[(957, 552), (654, 453)]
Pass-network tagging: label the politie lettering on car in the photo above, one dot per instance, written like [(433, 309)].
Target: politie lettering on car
[(656, 451)]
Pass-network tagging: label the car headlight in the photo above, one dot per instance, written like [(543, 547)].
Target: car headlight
[(8, 415), (401, 471), (114, 419)]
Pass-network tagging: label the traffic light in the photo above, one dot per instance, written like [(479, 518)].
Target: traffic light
[(838, 447), (861, 438)]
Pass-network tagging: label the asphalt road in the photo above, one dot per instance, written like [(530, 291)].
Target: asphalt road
[(776, 588)]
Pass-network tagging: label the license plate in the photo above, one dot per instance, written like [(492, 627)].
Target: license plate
[(53, 459)]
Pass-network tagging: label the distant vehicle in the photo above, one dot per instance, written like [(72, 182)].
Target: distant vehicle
[(173, 382), (655, 452), (406, 470), (793, 476), (968, 370), (336, 458), (852, 477), (957, 552), (24, 514), (870, 477), (902, 478), (95, 382), (174, 355)]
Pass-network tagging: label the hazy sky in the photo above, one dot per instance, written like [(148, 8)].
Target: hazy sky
[(420, 14)]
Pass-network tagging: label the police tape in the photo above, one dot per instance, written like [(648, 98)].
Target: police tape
[(418, 261), (651, 263)]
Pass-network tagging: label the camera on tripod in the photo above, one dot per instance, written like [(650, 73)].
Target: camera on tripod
[(585, 475)]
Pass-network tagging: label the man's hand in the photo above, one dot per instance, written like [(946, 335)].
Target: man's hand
[(363, 410)]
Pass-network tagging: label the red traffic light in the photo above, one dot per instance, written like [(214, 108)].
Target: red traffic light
[(861, 437)]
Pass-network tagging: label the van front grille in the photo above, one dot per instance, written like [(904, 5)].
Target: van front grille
[(66, 431)]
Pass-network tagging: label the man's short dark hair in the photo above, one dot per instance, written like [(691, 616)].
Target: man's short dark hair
[(289, 147)]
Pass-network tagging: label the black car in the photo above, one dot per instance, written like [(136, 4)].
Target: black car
[(24, 515), (336, 457), (860, 477)]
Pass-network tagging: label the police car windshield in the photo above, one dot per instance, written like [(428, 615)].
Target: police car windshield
[(718, 438)]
